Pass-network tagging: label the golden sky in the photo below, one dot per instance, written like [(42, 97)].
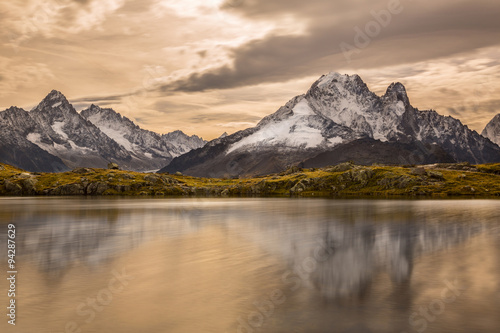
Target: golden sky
[(213, 66)]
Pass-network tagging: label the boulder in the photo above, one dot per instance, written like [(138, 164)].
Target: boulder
[(69, 189), (84, 170), (418, 171), (362, 175), (97, 188), (170, 180), (342, 167), (24, 175), (12, 188), (435, 175), (122, 188), (28, 186), (113, 166), (152, 178), (301, 186)]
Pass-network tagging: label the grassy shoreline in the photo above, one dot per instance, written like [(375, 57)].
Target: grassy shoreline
[(345, 180)]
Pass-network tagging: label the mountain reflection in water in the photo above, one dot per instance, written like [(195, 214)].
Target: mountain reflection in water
[(255, 265)]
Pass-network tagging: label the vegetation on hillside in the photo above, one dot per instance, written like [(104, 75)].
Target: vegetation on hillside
[(345, 179)]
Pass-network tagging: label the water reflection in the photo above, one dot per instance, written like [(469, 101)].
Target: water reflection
[(314, 251)]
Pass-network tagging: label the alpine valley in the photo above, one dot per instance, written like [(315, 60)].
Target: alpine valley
[(339, 119), (54, 137)]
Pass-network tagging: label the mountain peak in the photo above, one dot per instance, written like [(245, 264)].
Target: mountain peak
[(397, 91), (55, 95), (54, 103), (337, 78), (492, 130), (396, 87)]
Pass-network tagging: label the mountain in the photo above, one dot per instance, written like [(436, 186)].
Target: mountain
[(362, 151), (492, 130), (144, 146), (339, 118), (54, 137), (17, 150)]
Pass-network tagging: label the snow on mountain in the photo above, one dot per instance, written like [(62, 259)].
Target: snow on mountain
[(180, 143), (64, 133), (16, 148), (492, 130), (54, 137), (143, 145), (295, 126), (337, 110)]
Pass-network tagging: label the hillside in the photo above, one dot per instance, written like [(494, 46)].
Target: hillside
[(346, 179)]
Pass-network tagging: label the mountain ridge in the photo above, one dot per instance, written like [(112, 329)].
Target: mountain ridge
[(336, 110), (54, 132)]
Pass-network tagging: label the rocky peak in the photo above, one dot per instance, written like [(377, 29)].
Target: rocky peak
[(334, 79), (94, 107), (331, 90), (15, 117), (12, 110), (107, 117), (55, 99), (492, 130), (55, 95), (54, 104), (397, 92)]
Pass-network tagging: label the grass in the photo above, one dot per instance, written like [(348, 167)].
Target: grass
[(440, 180)]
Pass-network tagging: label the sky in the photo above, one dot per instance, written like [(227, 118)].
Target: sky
[(212, 66)]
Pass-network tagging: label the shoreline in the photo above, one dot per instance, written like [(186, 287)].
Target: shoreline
[(342, 181)]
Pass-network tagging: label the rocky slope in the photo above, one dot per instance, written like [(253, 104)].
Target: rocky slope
[(492, 130), (16, 149), (146, 146), (336, 111), (55, 137)]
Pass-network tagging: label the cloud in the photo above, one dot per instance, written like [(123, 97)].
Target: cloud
[(236, 124), (196, 65), (32, 18), (30, 74), (100, 99), (412, 35)]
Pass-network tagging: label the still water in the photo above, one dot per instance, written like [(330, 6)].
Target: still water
[(252, 265)]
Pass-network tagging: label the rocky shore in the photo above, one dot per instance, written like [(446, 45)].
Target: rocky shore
[(346, 179)]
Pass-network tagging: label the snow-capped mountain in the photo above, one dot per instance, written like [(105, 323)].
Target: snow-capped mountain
[(65, 134), (142, 145), (16, 149), (336, 111), (55, 137), (492, 130)]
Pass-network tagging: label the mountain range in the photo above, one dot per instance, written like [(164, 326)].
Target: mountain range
[(54, 137), (339, 119)]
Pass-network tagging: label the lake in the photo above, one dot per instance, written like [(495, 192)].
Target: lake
[(252, 265)]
